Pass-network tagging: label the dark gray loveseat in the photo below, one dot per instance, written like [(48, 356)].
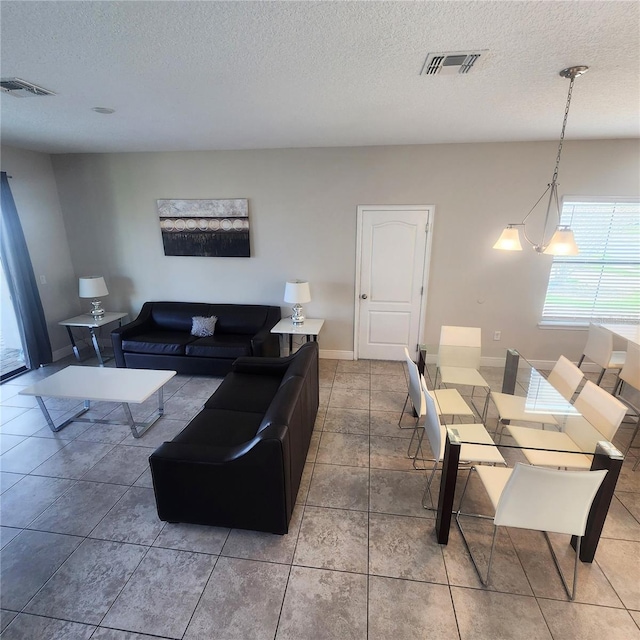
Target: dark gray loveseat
[(160, 337), (239, 462)]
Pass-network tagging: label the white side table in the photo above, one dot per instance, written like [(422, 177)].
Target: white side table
[(89, 322), (310, 328)]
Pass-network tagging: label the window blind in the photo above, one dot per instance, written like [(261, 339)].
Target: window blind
[(602, 283)]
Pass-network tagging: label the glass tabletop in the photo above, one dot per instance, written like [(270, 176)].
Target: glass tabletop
[(541, 397), (591, 444)]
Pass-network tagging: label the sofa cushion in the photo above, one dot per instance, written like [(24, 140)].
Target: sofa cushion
[(240, 318), (244, 392), (176, 316), (218, 427), (159, 342), (220, 346)]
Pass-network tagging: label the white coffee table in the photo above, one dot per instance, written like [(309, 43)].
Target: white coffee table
[(126, 386), (310, 328)]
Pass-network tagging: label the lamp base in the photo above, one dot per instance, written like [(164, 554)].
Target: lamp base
[(297, 318), (97, 311)]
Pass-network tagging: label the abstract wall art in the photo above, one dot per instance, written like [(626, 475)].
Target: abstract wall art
[(208, 228)]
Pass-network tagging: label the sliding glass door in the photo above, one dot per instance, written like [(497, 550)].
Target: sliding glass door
[(12, 360)]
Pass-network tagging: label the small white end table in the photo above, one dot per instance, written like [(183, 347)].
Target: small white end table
[(310, 328), (89, 322)]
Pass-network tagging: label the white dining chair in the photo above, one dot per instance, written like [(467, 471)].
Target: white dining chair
[(598, 418), (540, 499), (484, 451), (449, 402), (599, 349), (458, 361), (628, 391), (565, 378)]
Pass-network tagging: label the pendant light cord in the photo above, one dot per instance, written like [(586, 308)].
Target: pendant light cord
[(564, 126)]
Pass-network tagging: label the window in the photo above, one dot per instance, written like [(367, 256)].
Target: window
[(602, 283)]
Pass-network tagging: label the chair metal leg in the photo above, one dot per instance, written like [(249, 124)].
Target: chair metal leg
[(483, 579), (601, 376), (428, 487), (404, 408), (413, 437), (571, 593), (418, 450), (617, 385)]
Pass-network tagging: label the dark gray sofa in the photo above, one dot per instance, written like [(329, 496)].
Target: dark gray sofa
[(160, 337), (239, 462)]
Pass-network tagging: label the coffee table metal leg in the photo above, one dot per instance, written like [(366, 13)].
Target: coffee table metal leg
[(55, 428), (139, 428)]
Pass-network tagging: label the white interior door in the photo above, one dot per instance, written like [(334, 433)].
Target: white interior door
[(393, 248)]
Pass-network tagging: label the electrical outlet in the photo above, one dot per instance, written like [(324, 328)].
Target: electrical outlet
[(497, 335), (43, 280)]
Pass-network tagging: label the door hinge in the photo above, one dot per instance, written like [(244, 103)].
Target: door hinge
[(426, 228), (421, 291)]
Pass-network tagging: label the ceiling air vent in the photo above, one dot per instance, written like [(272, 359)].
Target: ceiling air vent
[(450, 62), (23, 89)]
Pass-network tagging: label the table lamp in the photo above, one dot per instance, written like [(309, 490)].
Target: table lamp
[(297, 292), (93, 287)]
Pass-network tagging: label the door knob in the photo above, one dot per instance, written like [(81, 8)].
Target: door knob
[(364, 296)]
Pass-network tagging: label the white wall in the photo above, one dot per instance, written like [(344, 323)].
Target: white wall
[(302, 205), (36, 196)]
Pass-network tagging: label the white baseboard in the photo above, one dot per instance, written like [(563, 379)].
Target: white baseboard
[(336, 355), (58, 354)]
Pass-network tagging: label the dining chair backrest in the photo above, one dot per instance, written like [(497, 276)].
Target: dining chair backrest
[(460, 347), (630, 372), (434, 430), (599, 345), (630, 375), (565, 377), (604, 411), (548, 499), (415, 388)]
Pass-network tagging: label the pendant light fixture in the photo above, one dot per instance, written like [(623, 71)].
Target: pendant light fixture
[(562, 242)]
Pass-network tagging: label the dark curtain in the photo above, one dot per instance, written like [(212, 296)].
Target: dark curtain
[(22, 283)]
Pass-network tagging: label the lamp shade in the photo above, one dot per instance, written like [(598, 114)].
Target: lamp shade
[(562, 243), (297, 292), (92, 287), (509, 240)]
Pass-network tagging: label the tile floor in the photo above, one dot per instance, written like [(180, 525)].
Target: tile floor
[(85, 556)]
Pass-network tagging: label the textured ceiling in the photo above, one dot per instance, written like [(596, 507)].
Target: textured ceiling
[(244, 75)]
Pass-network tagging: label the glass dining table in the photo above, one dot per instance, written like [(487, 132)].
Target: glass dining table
[(522, 379)]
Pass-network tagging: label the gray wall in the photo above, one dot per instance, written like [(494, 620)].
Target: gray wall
[(302, 205)]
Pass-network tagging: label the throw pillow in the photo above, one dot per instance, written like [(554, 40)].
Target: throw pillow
[(202, 326)]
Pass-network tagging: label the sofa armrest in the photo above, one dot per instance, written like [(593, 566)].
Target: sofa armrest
[(265, 343), (139, 325), (200, 454), (245, 486), (262, 366)]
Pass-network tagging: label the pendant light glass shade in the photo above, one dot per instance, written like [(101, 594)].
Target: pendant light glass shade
[(509, 240), (562, 243)]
